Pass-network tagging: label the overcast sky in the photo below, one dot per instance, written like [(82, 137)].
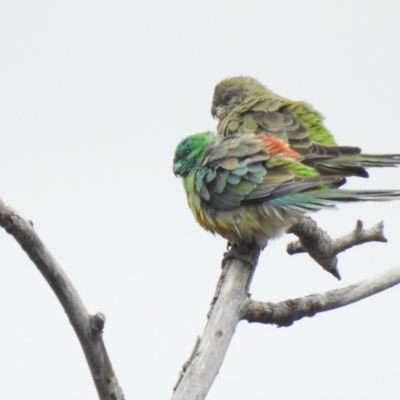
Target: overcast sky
[(94, 98)]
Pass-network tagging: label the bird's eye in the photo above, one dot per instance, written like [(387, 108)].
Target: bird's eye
[(186, 152), (228, 97)]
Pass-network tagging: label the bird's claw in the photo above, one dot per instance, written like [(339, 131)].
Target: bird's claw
[(238, 253)]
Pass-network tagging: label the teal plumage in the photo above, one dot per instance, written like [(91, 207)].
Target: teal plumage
[(250, 188)]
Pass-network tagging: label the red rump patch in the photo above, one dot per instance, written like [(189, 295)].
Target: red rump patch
[(276, 147)]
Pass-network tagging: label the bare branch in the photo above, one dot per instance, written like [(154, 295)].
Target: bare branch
[(231, 303), (359, 236), (223, 318), (286, 312), (323, 249), (88, 329)]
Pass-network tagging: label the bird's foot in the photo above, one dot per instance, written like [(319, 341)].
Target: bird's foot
[(240, 252)]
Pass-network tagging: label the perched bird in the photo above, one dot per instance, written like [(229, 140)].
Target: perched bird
[(249, 188), (243, 105)]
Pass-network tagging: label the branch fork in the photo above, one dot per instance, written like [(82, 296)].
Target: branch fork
[(323, 249), (230, 305)]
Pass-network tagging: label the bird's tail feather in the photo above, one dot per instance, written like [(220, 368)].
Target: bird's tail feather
[(315, 200), (355, 164)]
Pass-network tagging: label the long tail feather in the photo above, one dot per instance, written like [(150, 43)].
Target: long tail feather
[(355, 164), (314, 200), (343, 195)]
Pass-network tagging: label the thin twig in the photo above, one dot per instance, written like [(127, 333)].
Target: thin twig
[(89, 329)]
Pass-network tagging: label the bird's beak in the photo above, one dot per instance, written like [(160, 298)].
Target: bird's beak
[(213, 110), (174, 168)]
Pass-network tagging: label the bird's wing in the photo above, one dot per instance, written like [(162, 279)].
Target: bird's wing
[(249, 168), (296, 123)]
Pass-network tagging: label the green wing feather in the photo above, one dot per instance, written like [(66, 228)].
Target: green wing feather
[(259, 110), (251, 187), (296, 123), (237, 171)]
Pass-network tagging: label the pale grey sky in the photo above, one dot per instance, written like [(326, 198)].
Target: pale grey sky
[(94, 98)]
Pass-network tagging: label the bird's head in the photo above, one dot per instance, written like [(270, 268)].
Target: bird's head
[(189, 151), (231, 92)]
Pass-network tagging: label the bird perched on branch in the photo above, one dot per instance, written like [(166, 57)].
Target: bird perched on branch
[(249, 188), (243, 105)]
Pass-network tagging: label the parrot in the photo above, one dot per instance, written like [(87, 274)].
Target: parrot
[(249, 188), (243, 105)]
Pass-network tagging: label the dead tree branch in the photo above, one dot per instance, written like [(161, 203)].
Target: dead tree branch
[(323, 249), (223, 318), (88, 328), (286, 312), (232, 303)]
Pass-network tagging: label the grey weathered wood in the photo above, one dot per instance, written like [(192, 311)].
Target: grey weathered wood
[(88, 328), (323, 249), (232, 303), (224, 316), (286, 312)]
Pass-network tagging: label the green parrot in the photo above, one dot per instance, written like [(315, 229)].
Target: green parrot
[(250, 188), (243, 105)]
